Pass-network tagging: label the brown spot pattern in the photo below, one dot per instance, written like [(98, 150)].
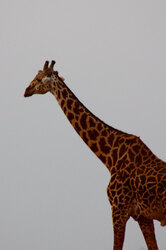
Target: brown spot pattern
[(83, 121), (77, 127), (111, 139), (92, 122), (94, 147), (104, 148), (99, 126), (70, 116), (93, 134), (64, 93), (69, 103), (102, 158)]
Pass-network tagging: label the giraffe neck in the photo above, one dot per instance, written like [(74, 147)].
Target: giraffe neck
[(109, 144)]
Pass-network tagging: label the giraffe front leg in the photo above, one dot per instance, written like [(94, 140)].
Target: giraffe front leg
[(147, 228), (119, 217)]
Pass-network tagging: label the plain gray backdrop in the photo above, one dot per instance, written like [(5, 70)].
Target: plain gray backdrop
[(112, 55)]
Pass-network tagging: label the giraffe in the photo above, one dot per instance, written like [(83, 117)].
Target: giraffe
[(137, 187)]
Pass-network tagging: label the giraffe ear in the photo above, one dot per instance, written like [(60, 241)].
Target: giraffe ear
[(62, 78)]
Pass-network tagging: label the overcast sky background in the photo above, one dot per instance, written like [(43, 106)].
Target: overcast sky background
[(112, 55)]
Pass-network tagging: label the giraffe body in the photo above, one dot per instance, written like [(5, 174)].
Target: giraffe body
[(137, 187)]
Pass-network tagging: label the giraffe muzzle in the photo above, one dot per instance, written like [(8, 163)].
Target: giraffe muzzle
[(28, 92)]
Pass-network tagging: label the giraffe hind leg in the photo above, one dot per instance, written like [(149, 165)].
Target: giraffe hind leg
[(147, 228)]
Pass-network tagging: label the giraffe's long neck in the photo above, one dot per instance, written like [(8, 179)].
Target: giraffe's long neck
[(109, 144)]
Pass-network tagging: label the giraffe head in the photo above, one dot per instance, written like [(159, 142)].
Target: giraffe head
[(41, 84)]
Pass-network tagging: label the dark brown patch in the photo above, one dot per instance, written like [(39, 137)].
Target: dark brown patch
[(77, 108), (120, 164), (92, 122), (131, 155), (64, 110), (136, 148), (130, 141), (114, 154), (138, 160), (113, 193), (140, 171), (84, 137), (119, 191), (131, 166), (121, 198), (143, 179), (128, 169), (62, 103), (113, 170), (132, 184), (99, 126), (102, 141), (83, 121), (136, 182), (110, 162), (127, 181), (159, 177), (160, 187), (122, 150), (123, 175), (60, 85), (102, 158), (104, 148), (117, 142), (77, 127), (64, 93), (153, 157), (150, 184), (152, 197), (111, 139), (69, 103), (59, 94), (115, 200), (145, 195), (143, 152), (113, 182), (151, 179), (125, 190), (71, 96), (77, 104), (133, 173), (93, 134), (147, 161), (94, 147), (70, 116), (149, 171), (104, 132)]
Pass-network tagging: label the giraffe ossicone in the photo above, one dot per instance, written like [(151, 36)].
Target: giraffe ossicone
[(137, 187)]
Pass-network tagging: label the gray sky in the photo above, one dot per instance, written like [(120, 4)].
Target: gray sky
[(113, 56)]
